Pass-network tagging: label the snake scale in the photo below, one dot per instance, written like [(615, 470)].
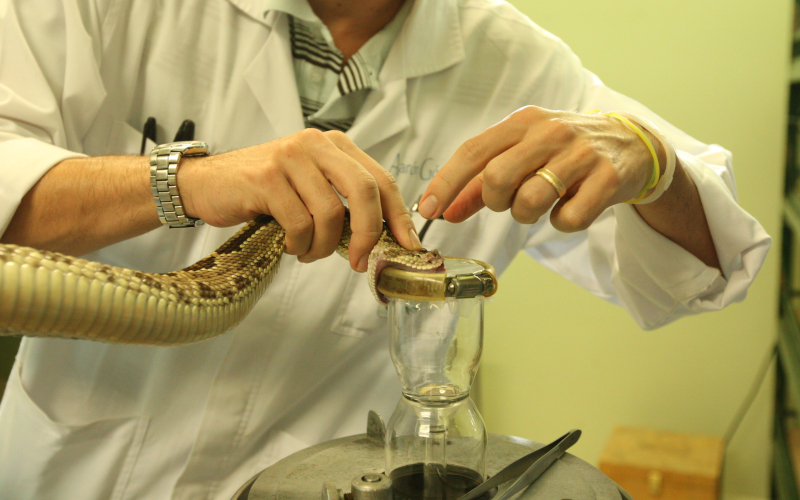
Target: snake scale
[(48, 294)]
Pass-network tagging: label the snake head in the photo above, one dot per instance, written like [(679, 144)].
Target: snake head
[(389, 253)]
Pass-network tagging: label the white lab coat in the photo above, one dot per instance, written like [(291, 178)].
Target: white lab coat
[(96, 421)]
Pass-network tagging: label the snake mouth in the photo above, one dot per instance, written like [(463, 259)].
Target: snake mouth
[(422, 262)]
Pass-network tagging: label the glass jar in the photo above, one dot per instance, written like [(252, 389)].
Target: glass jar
[(436, 439)]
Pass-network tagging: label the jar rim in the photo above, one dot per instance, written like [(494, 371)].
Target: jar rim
[(463, 279)]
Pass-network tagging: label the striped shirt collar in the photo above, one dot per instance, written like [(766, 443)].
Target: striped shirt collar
[(362, 69), (331, 90), (430, 41), (310, 45)]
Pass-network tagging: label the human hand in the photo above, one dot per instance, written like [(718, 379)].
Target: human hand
[(600, 161), (293, 180)]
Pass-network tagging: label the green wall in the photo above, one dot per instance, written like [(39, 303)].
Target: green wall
[(556, 357)]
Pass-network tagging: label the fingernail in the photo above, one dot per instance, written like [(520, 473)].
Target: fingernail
[(363, 263), (412, 235), (428, 206)]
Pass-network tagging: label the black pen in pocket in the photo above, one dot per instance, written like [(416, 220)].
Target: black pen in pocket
[(148, 132), (185, 132)]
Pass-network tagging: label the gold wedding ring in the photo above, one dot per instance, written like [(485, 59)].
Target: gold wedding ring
[(554, 181)]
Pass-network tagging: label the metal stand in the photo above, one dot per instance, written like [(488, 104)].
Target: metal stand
[(305, 474)]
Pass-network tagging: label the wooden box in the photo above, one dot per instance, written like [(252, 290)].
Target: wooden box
[(661, 465)]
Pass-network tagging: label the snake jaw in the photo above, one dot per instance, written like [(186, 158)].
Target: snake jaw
[(389, 253)]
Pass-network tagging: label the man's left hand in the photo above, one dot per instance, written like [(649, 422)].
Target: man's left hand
[(600, 161)]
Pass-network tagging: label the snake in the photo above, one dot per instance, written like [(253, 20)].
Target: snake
[(49, 294)]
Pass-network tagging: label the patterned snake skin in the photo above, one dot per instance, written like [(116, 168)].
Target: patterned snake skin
[(47, 294)]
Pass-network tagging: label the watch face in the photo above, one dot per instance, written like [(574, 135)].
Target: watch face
[(196, 150), (189, 148)]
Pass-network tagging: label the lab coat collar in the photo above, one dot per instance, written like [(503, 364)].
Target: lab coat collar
[(279, 101), (431, 40), (262, 10), (431, 23), (383, 114)]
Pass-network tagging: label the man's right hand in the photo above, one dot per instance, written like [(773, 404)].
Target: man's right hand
[(295, 180), (83, 204)]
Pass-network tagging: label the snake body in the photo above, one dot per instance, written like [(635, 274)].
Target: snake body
[(48, 294)]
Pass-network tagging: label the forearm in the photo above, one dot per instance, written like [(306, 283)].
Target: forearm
[(678, 215), (84, 204)]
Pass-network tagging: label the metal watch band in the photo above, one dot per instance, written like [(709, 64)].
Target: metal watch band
[(164, 161)]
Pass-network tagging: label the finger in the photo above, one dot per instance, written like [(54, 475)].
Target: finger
[(596, 193), (532, 200), (468, 202), (360, 188), (325, 207), (291, 213), (537, 194), (393, 207), (505, 174), (302, 201), (469, 160)]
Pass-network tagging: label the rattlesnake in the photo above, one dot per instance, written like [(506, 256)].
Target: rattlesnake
[(48, 294)]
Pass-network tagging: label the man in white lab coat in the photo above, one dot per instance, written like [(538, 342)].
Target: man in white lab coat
[(425, 90)]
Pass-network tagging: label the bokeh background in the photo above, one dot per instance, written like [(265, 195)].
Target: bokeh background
[(557, 358)]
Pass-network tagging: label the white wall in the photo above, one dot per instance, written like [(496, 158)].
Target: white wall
[(557, 358)]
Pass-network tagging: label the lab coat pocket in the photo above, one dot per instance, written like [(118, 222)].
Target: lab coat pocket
[(42, 458), (359, 314)]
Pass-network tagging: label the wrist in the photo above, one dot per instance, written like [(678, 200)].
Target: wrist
[(662, 160), (664, 153), (680, 179)]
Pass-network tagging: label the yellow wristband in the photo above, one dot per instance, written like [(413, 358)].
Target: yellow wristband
[(656, 166), (654, 178)]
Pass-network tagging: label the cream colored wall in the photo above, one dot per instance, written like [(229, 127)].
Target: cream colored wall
[(556, 357)]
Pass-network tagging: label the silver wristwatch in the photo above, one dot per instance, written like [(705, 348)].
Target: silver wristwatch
[(164, 161)]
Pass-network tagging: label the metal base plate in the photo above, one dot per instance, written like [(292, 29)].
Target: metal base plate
[(300, 476)]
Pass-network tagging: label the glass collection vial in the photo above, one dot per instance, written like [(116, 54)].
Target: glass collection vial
[(436, 439)]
